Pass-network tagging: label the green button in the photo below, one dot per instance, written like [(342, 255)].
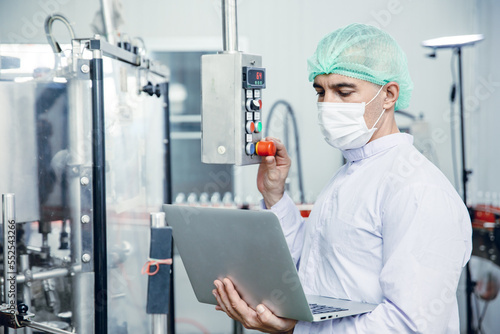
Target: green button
[(258, 128)]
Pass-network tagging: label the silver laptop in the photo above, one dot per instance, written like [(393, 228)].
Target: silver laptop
[(249, 248)]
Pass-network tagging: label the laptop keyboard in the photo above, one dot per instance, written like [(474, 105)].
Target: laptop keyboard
[(317, 309)]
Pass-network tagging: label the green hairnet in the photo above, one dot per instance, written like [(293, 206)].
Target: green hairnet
[(363, 52)]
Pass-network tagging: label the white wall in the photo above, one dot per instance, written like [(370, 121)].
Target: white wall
[(485, 100), (285, 33)]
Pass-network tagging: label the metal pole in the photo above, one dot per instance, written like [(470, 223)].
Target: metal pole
[(157, 219), (45, 328), (465, 172), (99, 195), (24, 268), (42, 275), (168, 199), (465, 178), (9, 254), (82, 284), (107, 18), (168, 169), (229, 26)]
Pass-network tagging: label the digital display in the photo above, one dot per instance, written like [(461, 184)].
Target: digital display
[(254, 77)]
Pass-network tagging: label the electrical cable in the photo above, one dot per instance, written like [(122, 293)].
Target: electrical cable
[(297, 143), (452, 120), (481, 317), (146, 269), (49, 21), (48, 30), (476, 302)]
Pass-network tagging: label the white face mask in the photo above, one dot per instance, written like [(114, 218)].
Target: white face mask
[(343, 124)]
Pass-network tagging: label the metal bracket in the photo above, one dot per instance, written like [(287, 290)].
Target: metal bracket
[(83, 69), (86, 219)]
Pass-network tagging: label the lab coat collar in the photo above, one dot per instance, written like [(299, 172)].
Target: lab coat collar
[(378, 145)]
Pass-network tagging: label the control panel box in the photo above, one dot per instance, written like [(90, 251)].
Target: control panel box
[(232, 85)]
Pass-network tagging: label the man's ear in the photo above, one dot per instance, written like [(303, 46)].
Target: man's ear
[(392, 92)]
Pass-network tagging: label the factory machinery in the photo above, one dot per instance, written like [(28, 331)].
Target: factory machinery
[(85, 146), (85, 169)]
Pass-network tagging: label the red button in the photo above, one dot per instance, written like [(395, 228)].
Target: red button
[(250, 127), (265, 148)]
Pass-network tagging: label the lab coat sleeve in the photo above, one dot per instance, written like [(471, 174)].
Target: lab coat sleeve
[(292, 224), (426, 242)]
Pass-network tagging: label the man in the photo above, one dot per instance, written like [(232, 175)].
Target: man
[(388, 228)]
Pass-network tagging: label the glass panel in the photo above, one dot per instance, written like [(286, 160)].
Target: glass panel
[(135, 183), (189, 174)]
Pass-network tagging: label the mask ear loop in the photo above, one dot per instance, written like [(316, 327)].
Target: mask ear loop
[(383, 110), (376, 95), (378, 119)]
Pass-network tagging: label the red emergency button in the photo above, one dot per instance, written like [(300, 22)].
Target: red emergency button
[(264, 148)]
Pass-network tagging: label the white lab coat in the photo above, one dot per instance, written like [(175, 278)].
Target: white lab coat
[(387, 229)]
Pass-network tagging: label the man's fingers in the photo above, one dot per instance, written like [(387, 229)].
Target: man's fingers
[(270, 320), (280, 147), (234, 297), (224, 300), (270, 162), (274, 139), (266, 316), (230, 302), (221, 305)]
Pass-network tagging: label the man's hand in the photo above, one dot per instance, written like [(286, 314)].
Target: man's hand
[(261, 319), (272, 174)]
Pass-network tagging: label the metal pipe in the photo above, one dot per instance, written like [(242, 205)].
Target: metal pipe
[(45, 328), (40, 276), (465, 172), (24, 263), (229, 26), (160, 324), (76, 159), (465, 178), (157, 220), (9, 254), (83, 303), (82, 284), (168, 171), (168, 199), (99, 195), (107, 18)]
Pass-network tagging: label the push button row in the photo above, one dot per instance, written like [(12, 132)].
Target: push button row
[(252, 127), (262, 148)]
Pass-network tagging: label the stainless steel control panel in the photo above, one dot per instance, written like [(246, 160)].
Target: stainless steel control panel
[(232, 85)]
